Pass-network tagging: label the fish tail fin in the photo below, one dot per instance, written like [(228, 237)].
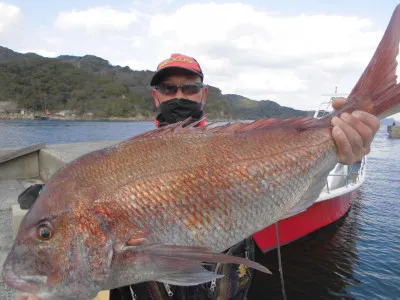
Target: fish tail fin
[(378, 90)]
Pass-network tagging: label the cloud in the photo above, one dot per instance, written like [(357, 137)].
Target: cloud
[(261, 53), (96, 19), (9, 14)]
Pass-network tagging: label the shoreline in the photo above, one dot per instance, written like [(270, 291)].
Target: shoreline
[(60, 118), (15, 116)]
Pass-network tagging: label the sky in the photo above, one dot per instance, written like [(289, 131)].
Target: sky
[(292, 52)]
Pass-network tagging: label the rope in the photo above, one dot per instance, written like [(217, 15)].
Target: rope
[(280, 261)]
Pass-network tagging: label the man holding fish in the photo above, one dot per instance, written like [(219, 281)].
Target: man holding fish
[(179, 93), (169, 214)]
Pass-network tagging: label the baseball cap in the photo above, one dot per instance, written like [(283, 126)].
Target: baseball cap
[(179, 61)]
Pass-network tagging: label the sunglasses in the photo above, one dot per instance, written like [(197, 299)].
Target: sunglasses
[(187, 89)]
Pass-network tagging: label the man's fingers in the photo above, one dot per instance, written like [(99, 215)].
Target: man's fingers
[(364, 131), (346, 123), (368, 119), (353, 133), (342, 143)]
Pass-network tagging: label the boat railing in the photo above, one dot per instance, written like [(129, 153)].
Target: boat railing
[(345, 175)]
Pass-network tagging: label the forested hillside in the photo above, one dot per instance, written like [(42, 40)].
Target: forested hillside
[(89, 84)]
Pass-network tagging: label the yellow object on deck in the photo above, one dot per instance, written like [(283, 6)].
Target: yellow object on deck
[(103, 295)]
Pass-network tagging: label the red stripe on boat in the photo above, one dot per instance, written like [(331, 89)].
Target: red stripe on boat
[(318, 215)]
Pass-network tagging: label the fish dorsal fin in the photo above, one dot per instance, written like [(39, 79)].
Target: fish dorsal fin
[(298, 123)]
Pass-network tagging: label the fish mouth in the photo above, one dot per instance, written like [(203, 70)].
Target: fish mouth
[(27, 284)]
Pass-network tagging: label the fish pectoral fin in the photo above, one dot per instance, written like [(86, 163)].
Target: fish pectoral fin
[(193, 276), (181, 257)]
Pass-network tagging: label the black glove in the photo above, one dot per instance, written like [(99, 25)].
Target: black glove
[(27, 197)]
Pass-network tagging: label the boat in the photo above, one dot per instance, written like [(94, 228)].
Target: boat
[(43, 116), (40, 117), (332, 204)]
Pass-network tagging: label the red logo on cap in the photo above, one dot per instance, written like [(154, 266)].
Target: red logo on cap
[(180, 60)]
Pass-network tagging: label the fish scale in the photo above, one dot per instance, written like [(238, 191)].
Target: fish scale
[(234, 176), (154, 208)]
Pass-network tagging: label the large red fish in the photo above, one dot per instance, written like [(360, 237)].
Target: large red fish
[(157, 206)]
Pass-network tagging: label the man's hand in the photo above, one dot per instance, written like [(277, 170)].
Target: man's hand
[(353, 133)]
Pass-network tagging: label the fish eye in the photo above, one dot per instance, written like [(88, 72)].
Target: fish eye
[(44, 232)]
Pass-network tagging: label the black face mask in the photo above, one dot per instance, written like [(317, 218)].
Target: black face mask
[(178, 109)]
